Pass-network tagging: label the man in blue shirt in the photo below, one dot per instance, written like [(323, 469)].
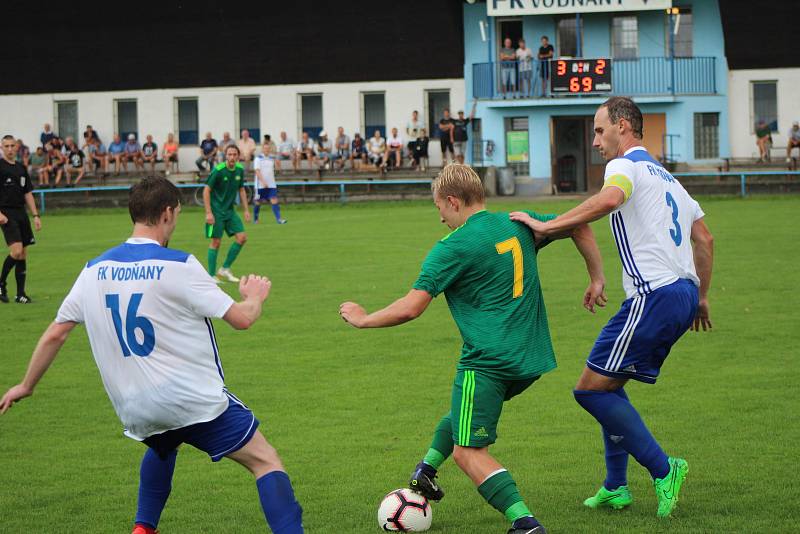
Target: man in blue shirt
[(208, 153), (116, 151)]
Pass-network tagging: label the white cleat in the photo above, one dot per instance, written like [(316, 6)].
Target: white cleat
[(226, 274)]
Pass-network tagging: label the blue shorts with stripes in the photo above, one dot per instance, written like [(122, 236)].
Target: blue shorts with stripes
[(226, 434), (637, 340)]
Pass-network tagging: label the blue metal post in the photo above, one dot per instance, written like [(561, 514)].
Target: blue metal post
[(578, 44), (672, 49), (744, 190), (41, 201), (342, 194)]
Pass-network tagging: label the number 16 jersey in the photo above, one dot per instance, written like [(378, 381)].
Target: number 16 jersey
[(652, 228), (147, 312)]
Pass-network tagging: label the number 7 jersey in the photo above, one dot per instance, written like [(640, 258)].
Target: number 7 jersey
[(652, 228), (147, 312)]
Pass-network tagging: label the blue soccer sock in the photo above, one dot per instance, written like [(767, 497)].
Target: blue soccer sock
[(276, 211), (616, 456), (282, 511), (620, 419), (155, 483), (256, 211)]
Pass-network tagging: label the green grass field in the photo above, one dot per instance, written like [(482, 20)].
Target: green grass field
[(351, 411)]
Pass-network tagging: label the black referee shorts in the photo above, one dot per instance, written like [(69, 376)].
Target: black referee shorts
[(18, 228)]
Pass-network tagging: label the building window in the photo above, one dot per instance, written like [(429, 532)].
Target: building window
[(248, 116), (374, 114), (625, 37), (567, 37), (706, 135), (437, 102), (311, 115), (764, 104), (67, 120), (680, 27), (126, 118), (186, 109)]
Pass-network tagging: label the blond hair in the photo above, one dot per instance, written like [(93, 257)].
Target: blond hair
[(460, 181)]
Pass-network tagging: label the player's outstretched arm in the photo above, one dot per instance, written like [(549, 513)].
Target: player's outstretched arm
[(43, 355), (583, 237), (254, 290), (400, 311), (703, 250), (591, 209)]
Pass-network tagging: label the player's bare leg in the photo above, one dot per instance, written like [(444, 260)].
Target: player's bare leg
[(495, 485), (281, 509)]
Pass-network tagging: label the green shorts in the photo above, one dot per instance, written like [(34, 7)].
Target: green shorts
[(231, 224), (476, 405)]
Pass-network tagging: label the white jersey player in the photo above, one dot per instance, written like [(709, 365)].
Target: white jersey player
[(666, 252), (147, 311), (265, 188)]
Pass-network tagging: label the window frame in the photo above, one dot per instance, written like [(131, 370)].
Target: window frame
[(123, 134), (255, 133), (300, 123), (614, 44), (753, 117), (369, 129), (177, 125), (433, 121), (57, 118), (700, 154)]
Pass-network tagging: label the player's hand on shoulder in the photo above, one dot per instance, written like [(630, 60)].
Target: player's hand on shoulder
[(254, 286), (352, 313), (595, 295), (13, 395), (535, 225), (702, 318)]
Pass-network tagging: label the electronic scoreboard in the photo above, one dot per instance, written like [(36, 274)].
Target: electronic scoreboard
[(580, 76)]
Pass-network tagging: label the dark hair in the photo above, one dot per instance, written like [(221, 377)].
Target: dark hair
[(236, 148), (267, 137), (622, 107), (545, 37), (8, 136), (149, 198)]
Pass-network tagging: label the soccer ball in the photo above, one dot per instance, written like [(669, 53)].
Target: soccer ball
[(405, 511)]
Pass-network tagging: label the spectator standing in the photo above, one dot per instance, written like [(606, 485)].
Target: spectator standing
[(459, 133), (446, 136), (170, 154), (90, 133), (55, 166), (793, 141), (394, 150), (39, 167), (76, 160), (525, 62), (23, 153), (305, 150), (763, 140), (208, 153), (508, 67), (358, 152), (342, 147), (324, 150), (247, 146), (545, 55), (116, 153), (286, 152), (226, 141), (413, 128), (133, 152), (150, 153), (420, 150), (376, 149), (47, 135)]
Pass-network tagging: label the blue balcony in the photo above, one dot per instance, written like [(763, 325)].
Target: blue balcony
[(643, 76)]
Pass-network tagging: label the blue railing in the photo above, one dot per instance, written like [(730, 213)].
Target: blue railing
[(636, 77)]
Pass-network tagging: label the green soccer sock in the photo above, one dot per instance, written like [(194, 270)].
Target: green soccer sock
[(212, 261), (232, 253), (501, 492), (442, 445)]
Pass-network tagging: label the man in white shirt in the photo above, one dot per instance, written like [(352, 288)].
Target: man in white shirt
[(394, 150), (666, 252), (147, 311), (265, 187), (247, 146), (286, 152), (525, 65)]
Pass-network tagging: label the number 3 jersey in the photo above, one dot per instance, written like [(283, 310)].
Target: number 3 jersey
[(147, 312), (652, 227)]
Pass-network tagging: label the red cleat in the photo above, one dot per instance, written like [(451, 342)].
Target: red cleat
[(141, 529)]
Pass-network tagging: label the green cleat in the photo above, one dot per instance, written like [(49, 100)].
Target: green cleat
[(616, 500), (668, 488)]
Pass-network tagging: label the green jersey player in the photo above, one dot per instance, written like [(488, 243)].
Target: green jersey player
[(487, 270), (223, 185)]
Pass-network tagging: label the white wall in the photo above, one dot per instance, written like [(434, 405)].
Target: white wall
[(24, 115), (742, 138)]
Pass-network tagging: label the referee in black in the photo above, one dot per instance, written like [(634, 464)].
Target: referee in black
[(15, 192)]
